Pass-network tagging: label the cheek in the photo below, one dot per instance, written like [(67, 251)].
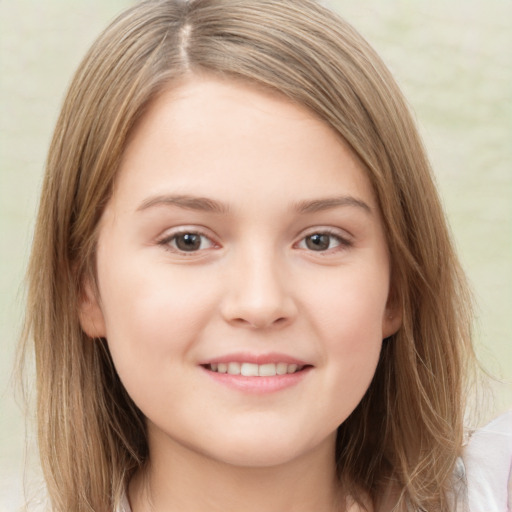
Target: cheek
[(349, 306), (151, 326), (348, 318), (152, 315)]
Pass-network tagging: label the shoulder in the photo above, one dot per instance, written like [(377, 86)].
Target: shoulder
[(488, 466)]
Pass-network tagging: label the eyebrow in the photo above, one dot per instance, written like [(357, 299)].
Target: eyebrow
[(185, 201), (210, 205), (318, 205)]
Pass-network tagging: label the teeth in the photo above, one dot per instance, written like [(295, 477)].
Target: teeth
[(267, 370), (254, 370), (249, 370), (234, 368), (281, 368)]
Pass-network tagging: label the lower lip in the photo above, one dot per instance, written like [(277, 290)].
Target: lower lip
[(258, 385)]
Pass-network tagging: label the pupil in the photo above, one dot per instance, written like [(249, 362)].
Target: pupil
[(188, 242), (317, 242)]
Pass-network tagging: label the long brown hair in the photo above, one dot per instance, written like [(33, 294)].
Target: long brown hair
[(408, 428)]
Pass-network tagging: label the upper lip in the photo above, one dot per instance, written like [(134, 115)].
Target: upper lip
[(259, 359)]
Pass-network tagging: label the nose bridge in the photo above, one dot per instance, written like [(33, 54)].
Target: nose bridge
[(257, 294)]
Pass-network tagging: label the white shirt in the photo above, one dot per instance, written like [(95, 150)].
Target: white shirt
[(488, 463)]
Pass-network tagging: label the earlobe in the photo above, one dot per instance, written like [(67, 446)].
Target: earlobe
[(90, 313), (392, 320)]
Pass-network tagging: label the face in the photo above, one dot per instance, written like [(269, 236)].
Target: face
[(243, 275)]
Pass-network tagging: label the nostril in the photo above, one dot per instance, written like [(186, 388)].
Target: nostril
[(241, 321), (259, 323)]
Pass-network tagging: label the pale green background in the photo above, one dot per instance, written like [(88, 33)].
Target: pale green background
[(453, 59)]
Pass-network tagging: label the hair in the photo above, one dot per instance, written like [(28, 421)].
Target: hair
[(408, 428)]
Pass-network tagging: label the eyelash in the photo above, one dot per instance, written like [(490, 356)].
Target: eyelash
[(168, 240), (343, 243)]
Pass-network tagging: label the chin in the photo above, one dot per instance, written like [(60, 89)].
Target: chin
[(264, 451), (256, 458)]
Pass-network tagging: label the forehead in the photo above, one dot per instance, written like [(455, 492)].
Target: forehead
[(228, 136)]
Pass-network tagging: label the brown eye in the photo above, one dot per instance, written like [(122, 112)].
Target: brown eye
[(184, 242), (188, 242), (319, 241), (323, 241)]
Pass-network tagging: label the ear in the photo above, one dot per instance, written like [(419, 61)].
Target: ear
[(90, 314), (392, 320)]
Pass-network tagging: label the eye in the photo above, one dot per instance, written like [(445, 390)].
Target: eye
[(187, 241), (323, 241)]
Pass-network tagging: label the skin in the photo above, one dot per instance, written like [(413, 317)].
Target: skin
[(256, 283)]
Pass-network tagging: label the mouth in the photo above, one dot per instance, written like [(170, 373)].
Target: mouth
[(246, 369), (256, 373)]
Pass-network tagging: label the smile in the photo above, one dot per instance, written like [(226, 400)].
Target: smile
[(257, 374), (254, 370)]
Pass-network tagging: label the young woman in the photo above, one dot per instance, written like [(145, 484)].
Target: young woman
[(242, 292)]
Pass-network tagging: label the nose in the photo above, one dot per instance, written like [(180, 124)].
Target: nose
[(258, 294)]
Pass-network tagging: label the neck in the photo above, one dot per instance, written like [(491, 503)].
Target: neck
[(178, 479)]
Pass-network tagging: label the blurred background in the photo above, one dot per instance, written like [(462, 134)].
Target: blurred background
[(453, 60)]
